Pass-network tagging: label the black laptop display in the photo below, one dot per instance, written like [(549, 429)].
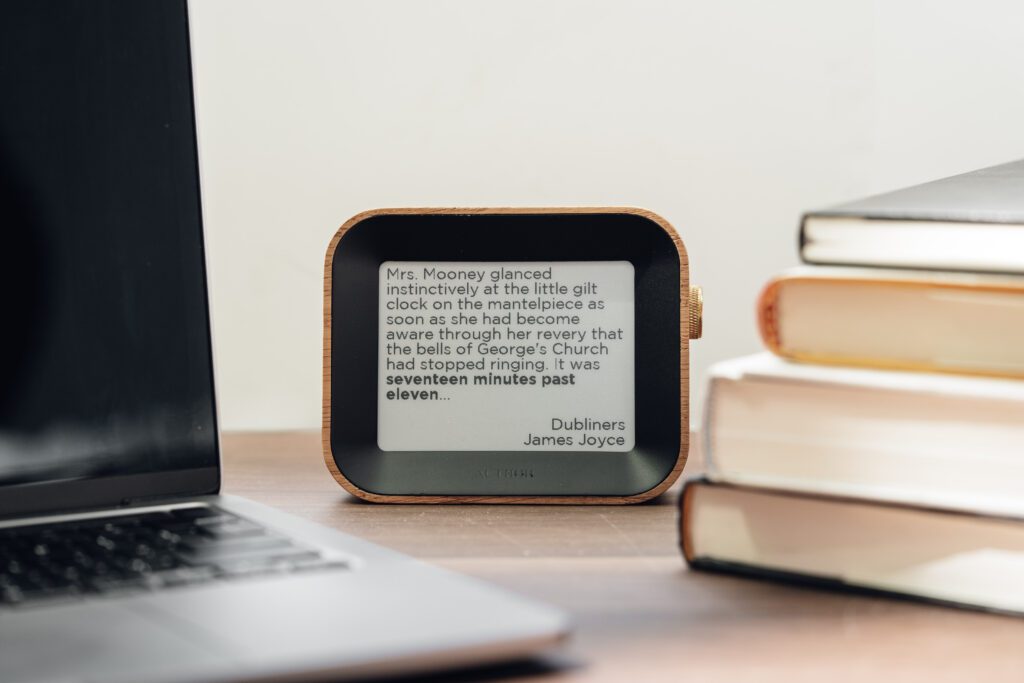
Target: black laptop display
[(106, 389)]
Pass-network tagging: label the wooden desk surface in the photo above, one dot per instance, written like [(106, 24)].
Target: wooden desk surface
[(640, 615)]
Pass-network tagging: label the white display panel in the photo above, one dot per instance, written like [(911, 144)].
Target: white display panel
[(506, 356)]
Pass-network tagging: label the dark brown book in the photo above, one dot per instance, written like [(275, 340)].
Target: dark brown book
[(952, 558)]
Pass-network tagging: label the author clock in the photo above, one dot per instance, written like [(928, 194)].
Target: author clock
[(461, 342)]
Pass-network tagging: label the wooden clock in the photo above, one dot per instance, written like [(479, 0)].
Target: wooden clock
[(507, 355)]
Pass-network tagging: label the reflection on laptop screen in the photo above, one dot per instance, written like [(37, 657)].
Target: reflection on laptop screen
[(104, 341)]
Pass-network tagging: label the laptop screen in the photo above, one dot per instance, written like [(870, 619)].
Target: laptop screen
[(105, 360)]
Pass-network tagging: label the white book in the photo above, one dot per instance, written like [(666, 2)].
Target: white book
[(940, 441), (971, 222), (954, 558)]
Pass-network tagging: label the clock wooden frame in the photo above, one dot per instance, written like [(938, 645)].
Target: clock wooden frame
[(688, 327)]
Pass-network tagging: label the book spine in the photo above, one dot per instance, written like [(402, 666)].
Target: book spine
[(801, 240), (685, 517), (768, 316)]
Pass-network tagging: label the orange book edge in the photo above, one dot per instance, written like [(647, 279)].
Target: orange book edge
[(768, 324)]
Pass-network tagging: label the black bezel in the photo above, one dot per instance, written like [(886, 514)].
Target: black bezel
[(504, 237)]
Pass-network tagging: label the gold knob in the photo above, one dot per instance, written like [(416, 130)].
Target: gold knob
[(696, 312)]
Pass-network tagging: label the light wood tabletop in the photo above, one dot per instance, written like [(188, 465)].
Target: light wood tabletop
[(640, 615)]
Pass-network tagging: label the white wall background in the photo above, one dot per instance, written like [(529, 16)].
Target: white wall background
[(727, 118)]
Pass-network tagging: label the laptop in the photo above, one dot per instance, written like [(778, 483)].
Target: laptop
[(119, 558)]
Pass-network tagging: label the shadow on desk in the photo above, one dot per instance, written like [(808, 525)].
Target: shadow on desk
[(534, 668)]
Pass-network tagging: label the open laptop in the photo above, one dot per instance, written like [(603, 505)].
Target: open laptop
[(119, 560)]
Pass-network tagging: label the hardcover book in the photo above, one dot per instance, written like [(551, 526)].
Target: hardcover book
[(971, 222), (951, 558), (896, 319), (940, 441)]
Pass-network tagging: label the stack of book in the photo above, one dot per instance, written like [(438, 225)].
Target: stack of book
[(879, 444)]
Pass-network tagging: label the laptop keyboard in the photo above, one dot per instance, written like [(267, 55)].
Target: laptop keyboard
[(147, 551)]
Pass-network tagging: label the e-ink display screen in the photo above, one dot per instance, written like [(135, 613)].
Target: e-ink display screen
[(506, 356)]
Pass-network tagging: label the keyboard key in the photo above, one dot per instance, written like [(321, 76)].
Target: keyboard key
[(10, 595), (13, 596), (231, 528), (319, 563), (184, 576), (52, 593), (120, 584), (195, 512), (212, 520), (211, 549), (280, 560)]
